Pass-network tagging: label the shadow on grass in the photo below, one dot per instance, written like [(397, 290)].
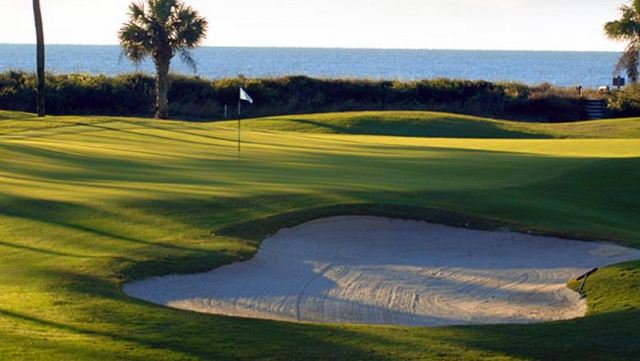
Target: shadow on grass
[(607, 336), (43, 251), (257, 230), (70, 215), (199, 336), (251, 219), (211, 337), (444, 127)]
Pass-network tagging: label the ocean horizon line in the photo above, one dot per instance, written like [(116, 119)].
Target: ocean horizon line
[(348, 48), (560, 68)]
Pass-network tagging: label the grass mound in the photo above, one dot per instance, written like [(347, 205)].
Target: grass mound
[(443, 125)]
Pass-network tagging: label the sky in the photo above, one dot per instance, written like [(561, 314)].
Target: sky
[(411, 24)]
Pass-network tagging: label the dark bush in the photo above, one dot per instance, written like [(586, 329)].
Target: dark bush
[(626, 102), (196, 98)]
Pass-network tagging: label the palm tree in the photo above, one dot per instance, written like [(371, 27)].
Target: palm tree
[(627, 28), (40, 104), (162, 29)]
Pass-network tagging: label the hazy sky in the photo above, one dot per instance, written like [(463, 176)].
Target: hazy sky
[(431, 24)]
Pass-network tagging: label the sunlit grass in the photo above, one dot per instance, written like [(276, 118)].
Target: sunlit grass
[(89, 202)]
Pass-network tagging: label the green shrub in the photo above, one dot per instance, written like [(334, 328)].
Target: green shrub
[(626, 102), (196, 98)]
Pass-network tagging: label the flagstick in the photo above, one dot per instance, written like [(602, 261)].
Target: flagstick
[(239, 126)]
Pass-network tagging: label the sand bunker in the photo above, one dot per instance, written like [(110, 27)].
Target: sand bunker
[(383, 271)]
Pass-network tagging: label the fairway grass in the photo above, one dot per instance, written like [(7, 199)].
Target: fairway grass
[(88, 203)]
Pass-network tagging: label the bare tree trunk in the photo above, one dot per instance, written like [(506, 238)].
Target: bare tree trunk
[(40, 58), (162, 89)]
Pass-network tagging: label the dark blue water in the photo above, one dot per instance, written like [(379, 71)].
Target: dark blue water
[(589, 69)]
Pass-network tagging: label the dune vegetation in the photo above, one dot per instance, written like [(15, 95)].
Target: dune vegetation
[(197, 98), (88, 203)]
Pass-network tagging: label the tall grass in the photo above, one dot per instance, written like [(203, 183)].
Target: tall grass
[(197, 98)]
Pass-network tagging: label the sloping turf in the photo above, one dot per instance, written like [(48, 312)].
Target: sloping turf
[(88, 203), (429, 124)]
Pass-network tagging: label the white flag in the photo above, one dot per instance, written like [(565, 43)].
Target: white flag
[(245, 96)]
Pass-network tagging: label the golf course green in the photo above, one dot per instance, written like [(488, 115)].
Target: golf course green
[(90, 203)]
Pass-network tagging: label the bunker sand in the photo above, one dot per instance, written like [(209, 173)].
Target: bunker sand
[(396, 272)]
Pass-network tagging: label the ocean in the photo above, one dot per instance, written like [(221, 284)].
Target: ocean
[(589, 69)]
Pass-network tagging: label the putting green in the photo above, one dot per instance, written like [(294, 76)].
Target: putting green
[(89, 203)]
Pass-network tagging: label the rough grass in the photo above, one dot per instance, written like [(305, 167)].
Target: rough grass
[(87, 203)]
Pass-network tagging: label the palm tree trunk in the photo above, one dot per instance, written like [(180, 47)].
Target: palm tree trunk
[(40, 58), (634, 61), (162, 89)]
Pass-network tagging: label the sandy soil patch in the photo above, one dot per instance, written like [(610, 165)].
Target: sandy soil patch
[(384, 271)]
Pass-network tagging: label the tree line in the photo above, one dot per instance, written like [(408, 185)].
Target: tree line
[(205, 99)]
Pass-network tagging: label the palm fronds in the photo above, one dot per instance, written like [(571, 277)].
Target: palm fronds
[(627, 28), (162, 29)]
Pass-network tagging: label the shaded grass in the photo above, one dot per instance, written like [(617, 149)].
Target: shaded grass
[(4, 115), (85, 207), (443, 125)]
